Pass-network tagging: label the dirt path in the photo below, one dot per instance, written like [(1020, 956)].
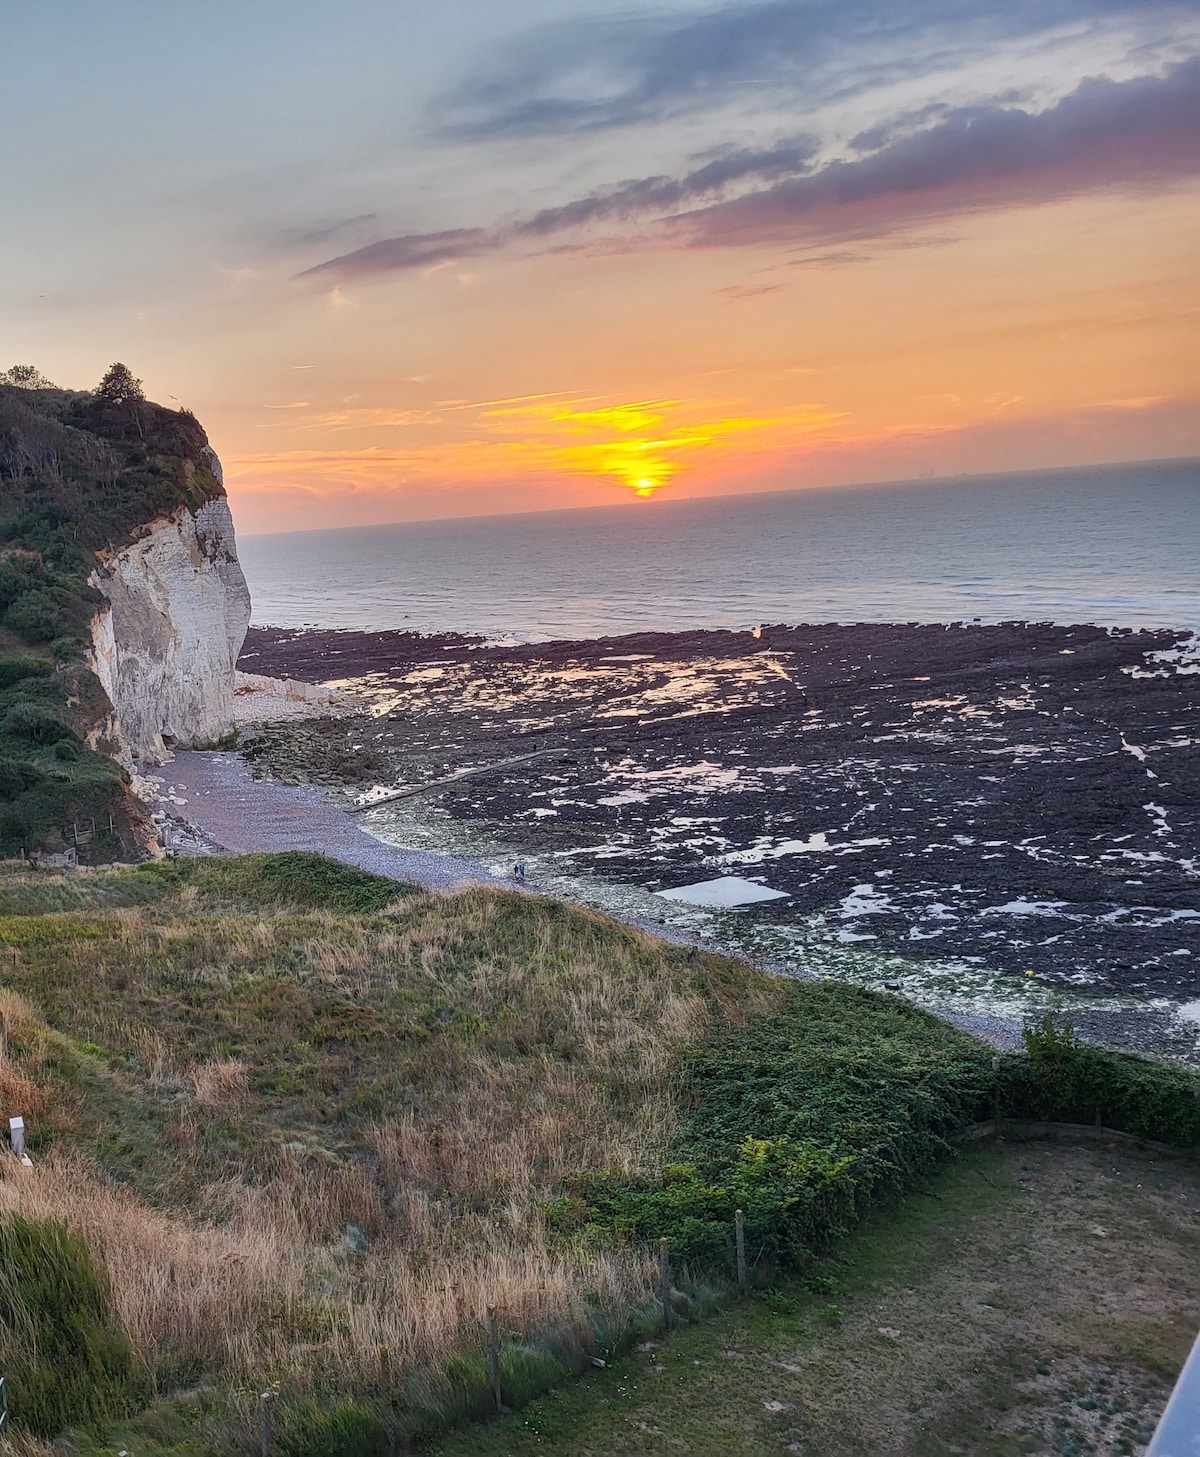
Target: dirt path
[(1039, 1301), (218, 794)]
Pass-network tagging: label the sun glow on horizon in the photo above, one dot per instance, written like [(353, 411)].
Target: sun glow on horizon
[(643, 445), (901, 395)]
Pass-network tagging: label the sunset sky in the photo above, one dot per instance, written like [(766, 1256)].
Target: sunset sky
[(414, 261)]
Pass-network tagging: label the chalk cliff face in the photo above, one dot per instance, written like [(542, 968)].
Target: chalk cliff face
[(165, 645)]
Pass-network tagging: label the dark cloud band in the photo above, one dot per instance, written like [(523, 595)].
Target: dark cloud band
[(1105, 134)]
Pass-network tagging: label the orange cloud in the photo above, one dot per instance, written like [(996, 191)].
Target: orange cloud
[(643, 444)]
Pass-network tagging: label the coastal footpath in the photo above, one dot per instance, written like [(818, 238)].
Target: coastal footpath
[(123, 609)]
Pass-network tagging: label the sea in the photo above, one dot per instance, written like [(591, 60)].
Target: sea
[(1116, 545)]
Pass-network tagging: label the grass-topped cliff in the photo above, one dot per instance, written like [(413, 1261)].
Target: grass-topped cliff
[(81, 472), (295, 1128)]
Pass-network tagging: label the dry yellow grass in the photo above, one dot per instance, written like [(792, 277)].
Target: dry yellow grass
[(22, 1444), (500, 1045), (219, 1082)]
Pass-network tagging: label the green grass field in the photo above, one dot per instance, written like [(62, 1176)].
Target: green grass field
[(285, 1114)]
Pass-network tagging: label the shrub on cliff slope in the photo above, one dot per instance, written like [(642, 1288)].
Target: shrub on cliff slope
[(842, 1098), (49, 782), (64, 1356), (845, 1098), (79, 472)]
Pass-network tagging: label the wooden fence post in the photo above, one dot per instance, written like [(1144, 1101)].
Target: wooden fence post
[(664, 1283), (265, 1434), (385, 1379), (3, 1038), (739, 1229), (493, 1339)]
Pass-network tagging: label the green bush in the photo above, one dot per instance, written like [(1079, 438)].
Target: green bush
[(66, 1360), (16, 776), (14, 829), (794, 1198), (843, 1099), (296, 877), (20, 572), (89, 787), (1063, 1080), (17, 670), (342, 1429), (36, 724), (37, 616), (70, 648)]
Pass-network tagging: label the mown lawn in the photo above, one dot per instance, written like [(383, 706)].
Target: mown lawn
[(1037, 1299)]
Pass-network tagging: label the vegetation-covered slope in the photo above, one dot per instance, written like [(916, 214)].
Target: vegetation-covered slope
[(80, 472), (342, 1116), (332, 1112)]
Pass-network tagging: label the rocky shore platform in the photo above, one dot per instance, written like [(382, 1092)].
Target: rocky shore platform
[(1016, 800)]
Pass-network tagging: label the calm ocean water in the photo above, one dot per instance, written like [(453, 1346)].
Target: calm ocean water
[(1117, 545)]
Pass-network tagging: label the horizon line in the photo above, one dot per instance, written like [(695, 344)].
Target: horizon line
[(654, 502)]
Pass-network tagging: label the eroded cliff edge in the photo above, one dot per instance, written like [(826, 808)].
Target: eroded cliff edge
[(122, 607), (166, 641)]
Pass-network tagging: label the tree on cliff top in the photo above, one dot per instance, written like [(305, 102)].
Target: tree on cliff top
[(26, 377), (118, 387)]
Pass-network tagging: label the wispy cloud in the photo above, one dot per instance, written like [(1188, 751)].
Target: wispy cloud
[(596, 73), (1135, 402), (371, 418), (1104, 134), (323, 232), (628, 200), (666, 194), (749, 290), (414, 250)]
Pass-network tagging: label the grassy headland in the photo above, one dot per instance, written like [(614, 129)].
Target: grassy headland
[(295, 1127), (80, 472)]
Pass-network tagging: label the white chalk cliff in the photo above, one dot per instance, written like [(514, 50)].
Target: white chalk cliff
[(165, 644)]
